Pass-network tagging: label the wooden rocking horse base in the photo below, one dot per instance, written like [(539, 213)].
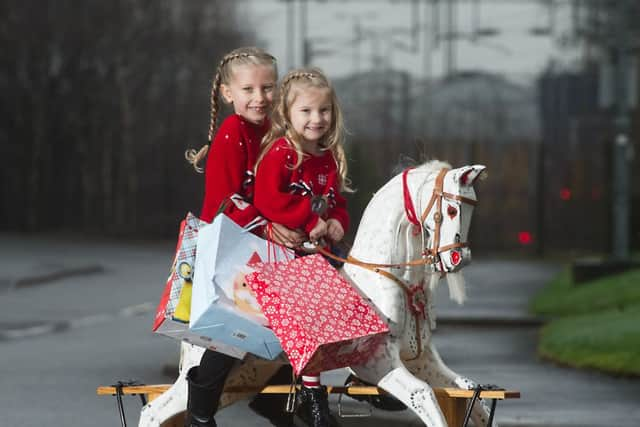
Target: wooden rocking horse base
[(453, 401)]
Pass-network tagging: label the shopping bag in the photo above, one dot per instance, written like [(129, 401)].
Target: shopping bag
[(223, 307), (172, 314), (322, 322)]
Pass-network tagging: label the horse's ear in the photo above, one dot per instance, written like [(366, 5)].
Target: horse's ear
[(469, 174)]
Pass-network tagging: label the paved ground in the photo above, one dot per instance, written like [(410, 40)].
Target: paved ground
[(53, 289)]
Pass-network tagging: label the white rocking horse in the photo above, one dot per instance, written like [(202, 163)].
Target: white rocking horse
[(396, 260)]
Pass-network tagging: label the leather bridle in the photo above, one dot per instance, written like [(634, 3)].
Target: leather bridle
[(432, 254)]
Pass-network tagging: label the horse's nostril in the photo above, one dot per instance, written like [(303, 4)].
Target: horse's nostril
[(455, 257)]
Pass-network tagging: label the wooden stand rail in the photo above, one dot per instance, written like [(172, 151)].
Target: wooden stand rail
[(453, 401)]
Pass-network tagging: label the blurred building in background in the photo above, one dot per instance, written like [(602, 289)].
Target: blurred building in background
[(101, 100)]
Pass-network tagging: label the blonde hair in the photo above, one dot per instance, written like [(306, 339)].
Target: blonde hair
[(333, 140), (224, 73)]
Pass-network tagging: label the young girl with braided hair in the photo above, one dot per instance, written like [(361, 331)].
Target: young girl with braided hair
[(300, 175), (246, 79)]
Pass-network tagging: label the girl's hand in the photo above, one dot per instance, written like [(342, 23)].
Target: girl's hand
[(286, 236), (334, 230), (320, 230)]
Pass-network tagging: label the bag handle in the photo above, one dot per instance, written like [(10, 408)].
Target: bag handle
[(272, 246)]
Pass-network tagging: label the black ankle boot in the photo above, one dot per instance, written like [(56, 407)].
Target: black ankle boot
[(202, 402), (313, 407)]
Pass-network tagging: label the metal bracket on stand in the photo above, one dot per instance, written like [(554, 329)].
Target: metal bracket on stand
[(477, 389), (343, 414), (118, 386)]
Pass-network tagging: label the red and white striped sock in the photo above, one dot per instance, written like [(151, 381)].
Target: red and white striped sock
[(311, 381)]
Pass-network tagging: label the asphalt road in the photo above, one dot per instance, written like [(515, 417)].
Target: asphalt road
[(77, 314)]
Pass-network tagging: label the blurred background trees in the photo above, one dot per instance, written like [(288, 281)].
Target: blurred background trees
[(100, 100)]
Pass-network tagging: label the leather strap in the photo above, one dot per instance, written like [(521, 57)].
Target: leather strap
[(459, 198)]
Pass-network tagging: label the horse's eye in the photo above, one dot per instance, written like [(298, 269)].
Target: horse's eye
[(451, 211)]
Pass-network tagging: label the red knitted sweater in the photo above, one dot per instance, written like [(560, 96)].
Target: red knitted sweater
[(283, 194), (229, 170)]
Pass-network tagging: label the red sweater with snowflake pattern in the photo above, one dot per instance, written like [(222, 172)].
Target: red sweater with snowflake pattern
[(283, 194), (229, 170)]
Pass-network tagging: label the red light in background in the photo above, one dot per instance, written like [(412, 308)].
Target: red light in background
[(525, 237), (565, 194)]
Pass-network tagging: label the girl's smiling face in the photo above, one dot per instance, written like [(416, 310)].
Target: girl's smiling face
[(251, 91), (310, 115)]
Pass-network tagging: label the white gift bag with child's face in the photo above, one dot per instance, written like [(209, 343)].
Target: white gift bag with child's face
[(172, 314), (223, 307)]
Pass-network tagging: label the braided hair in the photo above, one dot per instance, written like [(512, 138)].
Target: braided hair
[(333, 140), (224, 73)]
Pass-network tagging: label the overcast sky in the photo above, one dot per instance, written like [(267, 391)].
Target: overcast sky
[(514, 50)]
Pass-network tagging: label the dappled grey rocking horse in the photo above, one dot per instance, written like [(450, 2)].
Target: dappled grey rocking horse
[(412, 234)]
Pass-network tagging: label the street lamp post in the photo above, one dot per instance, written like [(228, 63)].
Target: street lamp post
[(620, 185)]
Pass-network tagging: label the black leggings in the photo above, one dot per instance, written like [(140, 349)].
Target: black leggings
[(212, 373), (214, 369)]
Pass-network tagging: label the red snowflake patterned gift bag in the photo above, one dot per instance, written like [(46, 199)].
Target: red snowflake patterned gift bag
[(321, 321)]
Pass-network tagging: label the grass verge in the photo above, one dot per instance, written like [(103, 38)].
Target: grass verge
[(594, 325), (562, 298), (608, 341)]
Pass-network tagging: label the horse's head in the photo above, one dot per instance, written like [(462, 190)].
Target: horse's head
[(421, 216), (448, 218), (445, 223)]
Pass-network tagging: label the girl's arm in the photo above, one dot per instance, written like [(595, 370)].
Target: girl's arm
[(339, 211), (272, 196), (224, 176)]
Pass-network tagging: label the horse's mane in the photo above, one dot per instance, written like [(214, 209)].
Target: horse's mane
[(427, 167), (433, 166)]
